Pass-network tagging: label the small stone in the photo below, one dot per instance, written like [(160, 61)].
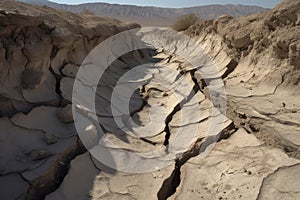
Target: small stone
[(61, 163), (40, 154), (70, 70), (241, 42), (65, 115), (50, 138)]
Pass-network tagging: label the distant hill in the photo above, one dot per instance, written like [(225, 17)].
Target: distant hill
[(152, 16)]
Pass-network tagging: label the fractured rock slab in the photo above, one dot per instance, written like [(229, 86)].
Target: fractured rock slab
[(12, 186), (234, 169), (104, 183), (282, 184), (45, 119)]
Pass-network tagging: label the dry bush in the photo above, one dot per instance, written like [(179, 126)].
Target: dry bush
[(86, 12), (184, 22)]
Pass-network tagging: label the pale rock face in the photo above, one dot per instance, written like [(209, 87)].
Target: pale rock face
[(234, 169), (282, 184), (40, 118), (104, 183), (83, 171)]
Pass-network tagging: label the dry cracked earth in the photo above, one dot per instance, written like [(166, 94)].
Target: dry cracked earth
[(257, 150)]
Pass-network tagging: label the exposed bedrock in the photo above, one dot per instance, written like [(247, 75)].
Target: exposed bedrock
[(257, 146)]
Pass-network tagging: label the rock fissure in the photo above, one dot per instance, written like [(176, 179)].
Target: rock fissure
[(170, 184), (54, 176), (41, 51)]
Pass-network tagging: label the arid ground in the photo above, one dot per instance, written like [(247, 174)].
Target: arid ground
[(212, 112)]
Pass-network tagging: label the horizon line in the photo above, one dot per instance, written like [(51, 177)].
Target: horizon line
[(77, 4)]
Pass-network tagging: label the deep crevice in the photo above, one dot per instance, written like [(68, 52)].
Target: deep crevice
[(148, 141), (177, 108), (24, 179), (171, 184), (51, 180), (57, 83), (230, 68)]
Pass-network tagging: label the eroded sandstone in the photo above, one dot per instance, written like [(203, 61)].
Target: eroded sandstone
[(257, 151)]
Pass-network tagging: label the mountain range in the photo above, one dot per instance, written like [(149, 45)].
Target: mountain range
[(152, 16)]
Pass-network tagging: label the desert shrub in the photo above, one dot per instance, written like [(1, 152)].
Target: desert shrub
[(87, 12), (184, 22)]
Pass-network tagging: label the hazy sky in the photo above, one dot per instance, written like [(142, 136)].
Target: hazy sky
[(178, 3)]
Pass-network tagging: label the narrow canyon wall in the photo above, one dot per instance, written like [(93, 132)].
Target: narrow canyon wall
[(41, 50)]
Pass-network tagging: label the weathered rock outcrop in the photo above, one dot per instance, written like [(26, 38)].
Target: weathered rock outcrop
[(39, 48), (263, 100)]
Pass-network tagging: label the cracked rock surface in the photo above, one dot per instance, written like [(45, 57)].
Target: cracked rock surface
[(257, 151), (234, 169), (41, 50)]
